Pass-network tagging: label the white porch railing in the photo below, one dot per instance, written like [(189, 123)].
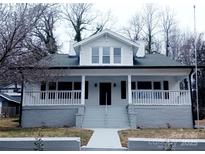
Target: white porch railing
[(161, 97), (37, 98)]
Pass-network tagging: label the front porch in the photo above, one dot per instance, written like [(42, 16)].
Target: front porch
[(111, 100), (109, 90)]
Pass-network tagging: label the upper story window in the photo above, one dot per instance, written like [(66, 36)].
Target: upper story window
[(117, 55), (106, 55), (95, 55)]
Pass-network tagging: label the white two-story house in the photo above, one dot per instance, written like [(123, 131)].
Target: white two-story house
[(110, 82)]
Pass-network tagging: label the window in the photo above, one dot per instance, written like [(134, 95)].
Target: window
[(117, 55), (77, 85), (86, 89), (133, 85), (51, 87), (64, 85), (166, 87), (123, 89), (144, 85), (184, 85), (157, 85), (43, 89), (43, 86), (95, 55), (106, 55)]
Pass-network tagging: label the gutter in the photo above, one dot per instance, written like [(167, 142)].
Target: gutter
[(108, 67), (192, 106)]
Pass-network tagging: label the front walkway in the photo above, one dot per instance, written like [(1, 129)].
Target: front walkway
[(104, 138)]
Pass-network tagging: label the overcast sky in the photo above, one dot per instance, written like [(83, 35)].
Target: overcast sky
[(123, 10)]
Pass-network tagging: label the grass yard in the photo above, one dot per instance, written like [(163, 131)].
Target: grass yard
[(8, 128), (161, 133)]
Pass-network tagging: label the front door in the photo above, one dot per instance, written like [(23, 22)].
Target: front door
[(105, 93)]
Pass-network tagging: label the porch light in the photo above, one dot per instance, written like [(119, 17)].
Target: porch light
[(114, 85), (96, 85)]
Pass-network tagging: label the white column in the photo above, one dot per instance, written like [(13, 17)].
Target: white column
[(129, 90), (83, 90)]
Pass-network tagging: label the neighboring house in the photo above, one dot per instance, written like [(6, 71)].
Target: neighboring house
[(9, 106), (10, 98), (110, 82)]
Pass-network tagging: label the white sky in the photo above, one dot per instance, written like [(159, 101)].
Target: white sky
[(123, 10)]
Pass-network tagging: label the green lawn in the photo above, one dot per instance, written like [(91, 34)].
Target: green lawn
[(161, 133), (9, 128)]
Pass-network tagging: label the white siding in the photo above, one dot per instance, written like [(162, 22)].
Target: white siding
[(126, 51)]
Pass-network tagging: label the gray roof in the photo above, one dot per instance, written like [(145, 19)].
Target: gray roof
[(59, 60), (155, 60), (10, 98), (150, 60)]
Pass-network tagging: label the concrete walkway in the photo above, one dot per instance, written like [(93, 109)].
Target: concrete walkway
[(104, 138)]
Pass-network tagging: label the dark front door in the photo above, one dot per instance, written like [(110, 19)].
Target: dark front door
[(105, 93)]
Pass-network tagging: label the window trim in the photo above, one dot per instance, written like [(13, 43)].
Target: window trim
[(98, 56), (108, 55), (152, 84), (117, 56)]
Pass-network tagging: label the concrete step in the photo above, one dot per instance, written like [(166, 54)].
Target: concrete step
[(114, 116)]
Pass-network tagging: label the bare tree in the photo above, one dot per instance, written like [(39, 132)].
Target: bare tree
[(135, 27), (102, 21), (17, 24), (151, 19), (168, 24), (44, 30), (79, 17), (175, 42)]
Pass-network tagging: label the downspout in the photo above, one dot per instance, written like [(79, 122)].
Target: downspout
[(22, 86), (192, 107)]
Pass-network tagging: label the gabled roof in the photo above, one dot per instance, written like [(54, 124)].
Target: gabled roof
[(9, 98), (109, 32)]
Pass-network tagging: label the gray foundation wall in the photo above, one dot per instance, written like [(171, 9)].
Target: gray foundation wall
[(52, 116), (47, 144), (160, 116), (152, 144)]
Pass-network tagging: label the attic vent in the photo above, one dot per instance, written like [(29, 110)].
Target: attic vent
[(106, 37)]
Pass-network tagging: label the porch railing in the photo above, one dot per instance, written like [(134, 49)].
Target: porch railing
[(161, 97), (52, 98)]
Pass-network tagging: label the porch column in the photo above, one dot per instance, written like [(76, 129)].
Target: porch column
[(129, 90), (83, 90)]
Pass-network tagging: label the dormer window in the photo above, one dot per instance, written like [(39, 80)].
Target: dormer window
[(106, 55), (95, 55), (117, 55)]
